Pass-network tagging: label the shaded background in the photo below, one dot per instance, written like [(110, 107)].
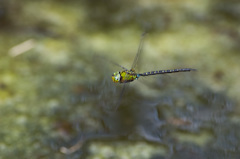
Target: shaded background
[(57, 97)]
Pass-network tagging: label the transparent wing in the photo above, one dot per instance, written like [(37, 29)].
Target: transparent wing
[(121, 95), (110, 61), (139, 51)]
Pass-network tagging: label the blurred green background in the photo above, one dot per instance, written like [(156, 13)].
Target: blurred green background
[(56, 93)]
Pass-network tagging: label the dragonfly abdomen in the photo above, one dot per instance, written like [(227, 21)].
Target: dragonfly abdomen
[(166, 71)]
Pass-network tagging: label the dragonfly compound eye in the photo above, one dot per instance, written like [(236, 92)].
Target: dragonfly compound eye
[(116, 77)]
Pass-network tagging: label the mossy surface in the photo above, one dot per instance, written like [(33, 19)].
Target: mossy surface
[(57, 99)]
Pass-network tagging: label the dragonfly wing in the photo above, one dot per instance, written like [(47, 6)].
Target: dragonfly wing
[(125, 86), (110, 61), (139, 51)]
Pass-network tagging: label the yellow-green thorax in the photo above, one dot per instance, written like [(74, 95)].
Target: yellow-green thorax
[(124, 76)]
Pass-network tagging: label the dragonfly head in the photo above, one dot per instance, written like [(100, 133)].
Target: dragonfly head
[(116, 77)]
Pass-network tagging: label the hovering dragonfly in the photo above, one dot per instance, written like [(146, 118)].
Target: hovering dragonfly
[(127, 76)]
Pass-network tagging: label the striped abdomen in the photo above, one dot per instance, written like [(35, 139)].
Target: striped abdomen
[(166, 71)]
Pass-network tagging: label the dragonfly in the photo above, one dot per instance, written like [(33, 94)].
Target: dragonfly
[(129, 75)]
